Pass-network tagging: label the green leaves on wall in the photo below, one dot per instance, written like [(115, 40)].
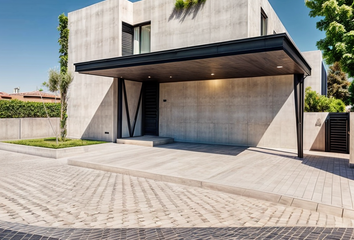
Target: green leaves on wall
[(185, 4), (20, 109)]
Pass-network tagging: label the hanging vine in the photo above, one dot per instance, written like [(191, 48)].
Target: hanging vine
[(185, 4)]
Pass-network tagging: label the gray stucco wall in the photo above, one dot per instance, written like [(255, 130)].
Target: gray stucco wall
[(254, 18), (27, 128), (133, 90), (95, 33), (248, 111), (314, 58)]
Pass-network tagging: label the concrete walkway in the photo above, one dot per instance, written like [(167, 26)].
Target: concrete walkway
[(318, 183)]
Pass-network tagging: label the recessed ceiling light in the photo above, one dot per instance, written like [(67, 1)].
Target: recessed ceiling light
[(149, 76), (170, 76), (279, 67), (212, 74)]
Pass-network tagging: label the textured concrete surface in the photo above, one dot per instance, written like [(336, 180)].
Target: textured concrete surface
[(46, 192), (17, 231), (147, 141), (27, 128), (314, 58), (246, 111), (321, 182)]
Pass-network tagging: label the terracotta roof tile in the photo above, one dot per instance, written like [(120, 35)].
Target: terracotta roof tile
[(35, 94)]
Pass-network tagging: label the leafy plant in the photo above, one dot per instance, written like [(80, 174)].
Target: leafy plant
[(179, 4), (336, 19), (338, 83), (19, 109), (185, 4), (318, 103)]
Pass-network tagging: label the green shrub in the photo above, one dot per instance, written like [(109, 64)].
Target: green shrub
[(179, 4), (20, 109), (318, 103)]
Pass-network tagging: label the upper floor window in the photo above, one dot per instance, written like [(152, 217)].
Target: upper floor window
[(136, 39), (264, 23), (142, 39)]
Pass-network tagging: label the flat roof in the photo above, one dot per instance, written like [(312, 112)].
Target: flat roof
[(269, 55)]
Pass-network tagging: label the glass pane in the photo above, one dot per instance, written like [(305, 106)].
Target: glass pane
[(145, 38), (264, 25), (137, 40)]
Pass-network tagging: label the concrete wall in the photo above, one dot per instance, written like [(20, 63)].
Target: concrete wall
[(254, 18), (95, 33), (247, 111), (27, 128), (314, 58), (133, 90)]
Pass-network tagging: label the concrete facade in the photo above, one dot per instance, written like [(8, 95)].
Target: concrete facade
[(244, 111), (96, 33), (27, 128)]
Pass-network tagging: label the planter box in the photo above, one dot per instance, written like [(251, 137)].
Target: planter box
[(49, 153)]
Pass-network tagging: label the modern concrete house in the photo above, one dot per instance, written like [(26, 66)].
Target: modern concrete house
[(222, 72)]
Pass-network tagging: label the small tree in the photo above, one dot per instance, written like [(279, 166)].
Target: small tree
[(337, 83), (315, 102), (351, 94), (61, 80), (337, 21)]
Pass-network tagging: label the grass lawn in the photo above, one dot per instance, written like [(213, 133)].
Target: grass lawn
[(51, 143)]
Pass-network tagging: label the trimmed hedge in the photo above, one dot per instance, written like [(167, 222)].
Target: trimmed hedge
[(20, 109)]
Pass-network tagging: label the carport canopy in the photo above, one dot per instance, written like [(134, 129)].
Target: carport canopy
[(251, 57), (270, 55)]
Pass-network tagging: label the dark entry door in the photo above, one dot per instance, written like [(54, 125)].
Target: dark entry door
[(151, 108), (337, 132)]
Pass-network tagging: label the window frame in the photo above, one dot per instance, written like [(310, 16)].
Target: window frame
[(140, 25), (264, 21)]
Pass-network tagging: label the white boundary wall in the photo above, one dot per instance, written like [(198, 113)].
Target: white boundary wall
[(27, 128)]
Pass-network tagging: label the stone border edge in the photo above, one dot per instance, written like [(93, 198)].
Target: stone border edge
[(47, 152), (265, 196)]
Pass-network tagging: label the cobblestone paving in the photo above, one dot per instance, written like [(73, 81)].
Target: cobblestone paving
[(49, 193), (10, 231)]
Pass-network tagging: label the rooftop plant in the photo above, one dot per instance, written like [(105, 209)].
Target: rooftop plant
[(185, 4)]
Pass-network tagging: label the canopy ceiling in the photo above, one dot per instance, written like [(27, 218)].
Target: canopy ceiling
[(252, 57)]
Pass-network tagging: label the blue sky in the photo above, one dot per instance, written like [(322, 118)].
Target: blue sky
[(28, 36)]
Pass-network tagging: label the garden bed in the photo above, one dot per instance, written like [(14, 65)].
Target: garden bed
[(51, 143)]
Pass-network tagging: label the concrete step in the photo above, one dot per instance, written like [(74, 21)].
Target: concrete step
[(146, 141)]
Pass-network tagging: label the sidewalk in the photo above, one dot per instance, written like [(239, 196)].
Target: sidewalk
[(318, 183)]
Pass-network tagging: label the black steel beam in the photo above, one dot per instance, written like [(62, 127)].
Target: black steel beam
[(299, 112), (120, 108)]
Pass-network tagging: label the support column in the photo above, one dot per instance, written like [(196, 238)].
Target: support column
[(120, 108), (299, 94)]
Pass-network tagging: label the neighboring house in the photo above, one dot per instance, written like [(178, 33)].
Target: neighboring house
[(36, 96), (223, 72), (5, 96)]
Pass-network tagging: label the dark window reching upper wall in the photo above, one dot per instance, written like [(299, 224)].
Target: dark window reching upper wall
[(127, 39)]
